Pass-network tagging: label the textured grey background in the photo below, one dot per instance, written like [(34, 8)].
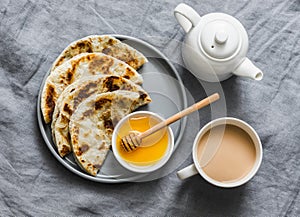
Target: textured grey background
[(34, 183)]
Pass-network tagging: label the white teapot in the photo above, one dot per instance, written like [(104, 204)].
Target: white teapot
[(215, 46)]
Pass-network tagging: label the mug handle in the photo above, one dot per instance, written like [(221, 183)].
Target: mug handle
[(187, 172), (186, 16)]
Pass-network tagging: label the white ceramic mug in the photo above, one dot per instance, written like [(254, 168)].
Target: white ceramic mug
[(196, 168), (143, 168)]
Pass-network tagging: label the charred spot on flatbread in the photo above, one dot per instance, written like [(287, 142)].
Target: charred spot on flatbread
[(65, 150), (101, 103), (84, 46), (112, 41), (69, 76), (108, 124), (132, 62), (107, 51), (64, 118), (110, 49), (127, 56), (85, 92), (110, 83), (87, 113), (83, 148), (67, 109), (101, 63), (128, 73), (75, 133), (50, 101), (143, 95)]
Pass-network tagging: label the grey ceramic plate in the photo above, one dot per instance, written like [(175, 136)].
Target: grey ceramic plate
[(162, 82)]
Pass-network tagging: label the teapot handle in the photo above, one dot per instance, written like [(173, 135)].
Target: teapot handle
[(186, 16)]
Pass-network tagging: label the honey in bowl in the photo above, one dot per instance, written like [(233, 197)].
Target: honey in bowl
[(153, 147)]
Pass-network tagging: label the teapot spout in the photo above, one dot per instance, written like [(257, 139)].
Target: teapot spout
[(248, 69)]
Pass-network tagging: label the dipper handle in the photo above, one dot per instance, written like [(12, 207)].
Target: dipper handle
[(181, 114)]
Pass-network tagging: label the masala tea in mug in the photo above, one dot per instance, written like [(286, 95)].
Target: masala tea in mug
[(231, 152), (227, 152)]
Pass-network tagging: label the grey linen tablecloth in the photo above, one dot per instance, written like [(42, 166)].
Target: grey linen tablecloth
[(34, 183)]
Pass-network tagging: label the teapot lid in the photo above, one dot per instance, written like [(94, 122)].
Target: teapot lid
[(220, 36)]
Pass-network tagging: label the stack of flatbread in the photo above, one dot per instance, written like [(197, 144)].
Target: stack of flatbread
[(91, 86)]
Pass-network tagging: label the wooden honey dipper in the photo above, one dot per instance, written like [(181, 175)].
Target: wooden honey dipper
[(134, 139)]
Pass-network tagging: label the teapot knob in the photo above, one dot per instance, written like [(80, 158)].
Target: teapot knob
[(221, 37)]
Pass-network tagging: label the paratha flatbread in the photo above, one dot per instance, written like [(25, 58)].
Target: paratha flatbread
[(77, 92), (85, 64), (103, 44), (91, 126)]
